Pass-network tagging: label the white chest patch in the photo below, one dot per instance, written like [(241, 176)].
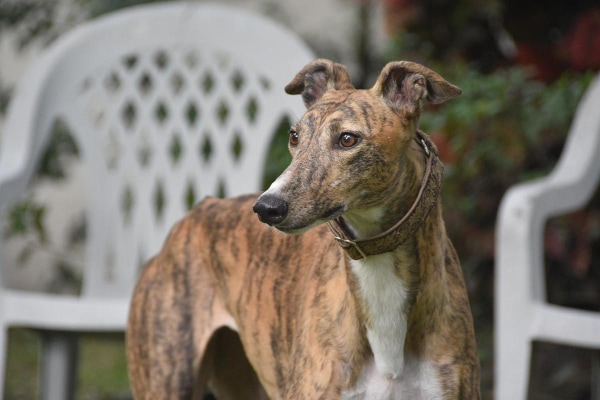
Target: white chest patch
[(385, 295), (419, 381)]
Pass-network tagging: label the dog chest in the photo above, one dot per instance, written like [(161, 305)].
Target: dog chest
[(389, 375), (418, 381), (385, 296)]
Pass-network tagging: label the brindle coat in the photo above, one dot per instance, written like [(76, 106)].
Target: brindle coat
[(254, 313)]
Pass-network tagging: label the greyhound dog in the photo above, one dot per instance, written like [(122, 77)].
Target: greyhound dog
[(347, 288)]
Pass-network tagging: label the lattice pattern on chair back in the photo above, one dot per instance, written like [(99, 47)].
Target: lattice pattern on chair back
[(176, 125), (161, 124)]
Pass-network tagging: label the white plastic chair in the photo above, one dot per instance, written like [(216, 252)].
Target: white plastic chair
[(167, 103), (522, 313)]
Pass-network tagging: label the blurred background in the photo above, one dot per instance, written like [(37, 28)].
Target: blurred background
[(523, 66)]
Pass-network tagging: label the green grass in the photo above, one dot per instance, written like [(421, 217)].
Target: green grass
[(102, 367), (21, 368)]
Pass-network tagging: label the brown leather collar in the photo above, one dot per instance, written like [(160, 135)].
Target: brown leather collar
[(408, 225)]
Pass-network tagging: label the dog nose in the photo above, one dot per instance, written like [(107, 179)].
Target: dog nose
[(271, 209)]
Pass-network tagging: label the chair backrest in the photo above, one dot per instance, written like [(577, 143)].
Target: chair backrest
[(167, 104), (578, 169)]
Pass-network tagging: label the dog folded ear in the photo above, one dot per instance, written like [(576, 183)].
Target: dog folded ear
[(317, 78), (404, 84)]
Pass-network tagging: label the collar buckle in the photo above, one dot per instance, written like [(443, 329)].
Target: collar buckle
[(346, 243)]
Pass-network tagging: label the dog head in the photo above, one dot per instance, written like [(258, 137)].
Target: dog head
[(348, 148)]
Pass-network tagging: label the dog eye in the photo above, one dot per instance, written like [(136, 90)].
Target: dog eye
[(348, 140), (294, 138)]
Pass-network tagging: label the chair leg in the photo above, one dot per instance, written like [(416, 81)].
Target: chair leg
[(513, 359), (58, 366)]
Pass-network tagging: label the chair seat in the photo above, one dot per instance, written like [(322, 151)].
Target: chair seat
[(63, 312)]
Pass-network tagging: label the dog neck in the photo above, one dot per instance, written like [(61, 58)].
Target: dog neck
[(352, 231), (386, 280)]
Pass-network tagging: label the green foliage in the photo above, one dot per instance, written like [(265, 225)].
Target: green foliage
[(278, 157), (61, 148), (27, 218), (5, 93), (504, 129), (29, 19)]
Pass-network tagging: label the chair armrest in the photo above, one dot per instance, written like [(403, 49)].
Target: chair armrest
[(15, 149), (526, 207), (28, 119), (17, 144)]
